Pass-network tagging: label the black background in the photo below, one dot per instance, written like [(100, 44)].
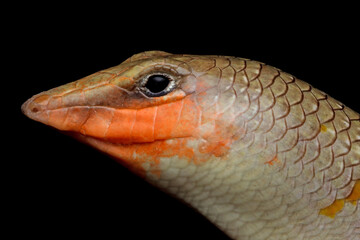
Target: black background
[(59, 187)]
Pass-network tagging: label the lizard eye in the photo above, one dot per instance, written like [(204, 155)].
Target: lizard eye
[(157, 84)]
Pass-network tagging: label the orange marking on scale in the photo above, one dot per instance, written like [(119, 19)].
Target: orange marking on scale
[(271, 162), (338, 204), (323, 128), (355, 194), (135, 155), (333, 209), (217, 149), (219, 139)]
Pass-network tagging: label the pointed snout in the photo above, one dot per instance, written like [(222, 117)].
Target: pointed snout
[(85, 106), (99, 89), (35, 108)]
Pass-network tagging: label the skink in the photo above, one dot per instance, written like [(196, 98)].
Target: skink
[(260, 153)]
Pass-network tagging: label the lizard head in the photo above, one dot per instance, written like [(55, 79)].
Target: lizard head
[(150, 112)]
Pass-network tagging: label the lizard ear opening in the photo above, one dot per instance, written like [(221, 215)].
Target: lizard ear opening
[(147, 54)]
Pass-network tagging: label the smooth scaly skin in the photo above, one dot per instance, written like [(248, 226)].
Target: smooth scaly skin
[(260, 153)]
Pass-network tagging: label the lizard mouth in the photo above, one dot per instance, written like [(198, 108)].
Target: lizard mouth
[(126, 135), (176, 119)]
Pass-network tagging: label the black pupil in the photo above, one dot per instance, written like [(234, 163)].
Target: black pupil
[(157, 83)]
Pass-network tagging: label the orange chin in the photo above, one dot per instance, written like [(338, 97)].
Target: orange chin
[(135, 155)]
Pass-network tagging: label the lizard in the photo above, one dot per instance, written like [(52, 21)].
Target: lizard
[(257, 151)]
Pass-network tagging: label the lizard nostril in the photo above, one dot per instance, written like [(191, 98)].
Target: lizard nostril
[(35, 106), (34, 109)]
